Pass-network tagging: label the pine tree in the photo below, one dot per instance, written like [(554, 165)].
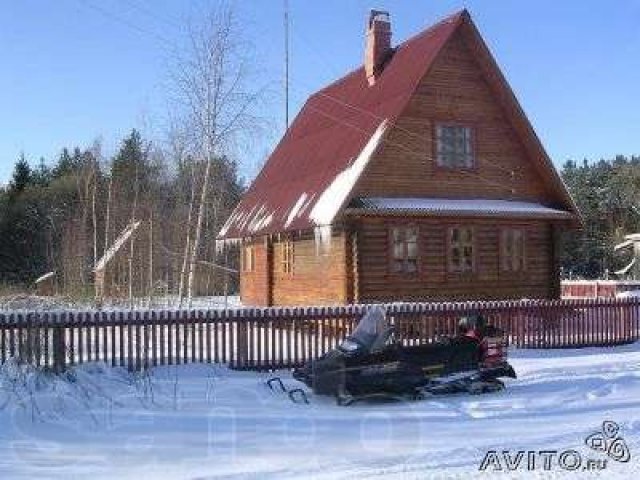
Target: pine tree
[(42, 175), (65, 164), (22, 177)]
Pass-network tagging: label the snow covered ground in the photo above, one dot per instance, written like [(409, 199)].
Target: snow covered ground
[(36, 303), (203, 421)]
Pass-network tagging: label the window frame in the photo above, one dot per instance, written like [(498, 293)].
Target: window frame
[(449, 232), (287, 254), (504, 231), (473, 144), (392, 259), (250, 249)]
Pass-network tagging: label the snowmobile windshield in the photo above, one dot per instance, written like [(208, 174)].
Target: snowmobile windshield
[(369, 332)]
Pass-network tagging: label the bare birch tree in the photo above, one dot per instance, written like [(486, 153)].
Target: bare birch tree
[(212, 83), (134, 213), (96, 151), (179, 151), (107, 221)]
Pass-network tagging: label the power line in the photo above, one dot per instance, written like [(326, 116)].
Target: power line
[(318, 54), (141, 7), (408, 150), (404, 147), (398, 127), (123, 21)]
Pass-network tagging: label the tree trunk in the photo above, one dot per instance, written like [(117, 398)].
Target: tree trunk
[(150, 259), (107, 220), (187, 243), (132, 239), (198, 232), (94, 220)]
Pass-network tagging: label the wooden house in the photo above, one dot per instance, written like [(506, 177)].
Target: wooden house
[(414, 177)]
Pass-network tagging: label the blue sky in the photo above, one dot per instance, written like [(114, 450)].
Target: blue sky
[(77, 70)]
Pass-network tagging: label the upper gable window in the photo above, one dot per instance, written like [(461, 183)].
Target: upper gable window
[(454, 146)]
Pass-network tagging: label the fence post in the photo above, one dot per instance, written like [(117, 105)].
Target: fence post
[(27, 355), (59, 347), (242, 345)]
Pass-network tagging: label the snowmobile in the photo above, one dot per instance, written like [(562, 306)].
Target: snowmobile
[(370, 363)]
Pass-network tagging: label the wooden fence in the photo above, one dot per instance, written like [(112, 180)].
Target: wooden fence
[(286, 337)]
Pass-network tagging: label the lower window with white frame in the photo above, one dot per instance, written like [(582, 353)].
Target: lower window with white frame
[(404, 249), (461, 246)]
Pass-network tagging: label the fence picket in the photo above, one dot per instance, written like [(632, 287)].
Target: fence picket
[(70, 334), (286, 337), (96, 338), (46, 338), (192, 322), (146, 342)]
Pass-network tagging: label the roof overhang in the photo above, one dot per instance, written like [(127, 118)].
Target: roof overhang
[(454, 207)]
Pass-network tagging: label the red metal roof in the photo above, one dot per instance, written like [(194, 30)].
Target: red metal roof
[(326, 143), (328, 134)]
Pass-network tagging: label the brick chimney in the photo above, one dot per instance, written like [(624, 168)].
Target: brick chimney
[(378, 46)]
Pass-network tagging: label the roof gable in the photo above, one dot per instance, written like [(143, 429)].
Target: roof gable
[(309, 177), (518, 119), (455, 90), (328, 135)]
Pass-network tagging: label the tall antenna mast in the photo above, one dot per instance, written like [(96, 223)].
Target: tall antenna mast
[(286, 64)]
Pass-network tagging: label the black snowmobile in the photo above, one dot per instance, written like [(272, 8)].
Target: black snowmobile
[(371, 363)]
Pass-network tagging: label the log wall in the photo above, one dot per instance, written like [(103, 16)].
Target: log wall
[(319, 274), (255, 285), (454, 91), (434, 282)]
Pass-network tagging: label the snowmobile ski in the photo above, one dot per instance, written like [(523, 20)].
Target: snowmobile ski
[(296, 395)]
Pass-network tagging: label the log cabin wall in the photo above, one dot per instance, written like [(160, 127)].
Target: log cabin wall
[(433, 281), (255, 287), (318, 276), (455, 90)]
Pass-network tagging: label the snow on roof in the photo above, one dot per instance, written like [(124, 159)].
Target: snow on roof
[(625, 244), (45, 277), (109, 254), (334, 196), (293, 213), (318, 155), (630, 240), (625, 270), (455, 206), (330, 132)]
